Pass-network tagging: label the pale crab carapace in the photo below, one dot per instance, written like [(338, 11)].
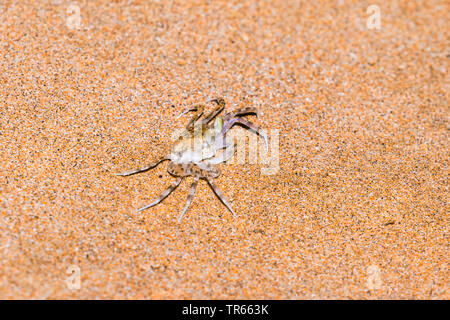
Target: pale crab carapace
[(201, 148)]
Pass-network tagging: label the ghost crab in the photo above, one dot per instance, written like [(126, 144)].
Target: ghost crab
[(197, 152)]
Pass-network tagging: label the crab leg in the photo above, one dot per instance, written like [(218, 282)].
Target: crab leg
[(129, 173), (216, 111), (189, 198), (163, 195), (186, 111), (252, 127), (213, 114), (241, 112), (220, 195), (198, 113)]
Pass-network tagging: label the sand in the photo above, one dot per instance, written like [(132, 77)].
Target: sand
[(358, 208)]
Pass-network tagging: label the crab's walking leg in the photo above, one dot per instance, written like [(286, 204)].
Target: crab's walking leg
[(215, 112), (189, 198), (163, 195), (220, 195), (241, 112), (186, 111), (129, 173), (195, 117), (198, 113), (253, 127)]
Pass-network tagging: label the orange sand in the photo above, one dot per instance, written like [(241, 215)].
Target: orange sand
[(358, 209)]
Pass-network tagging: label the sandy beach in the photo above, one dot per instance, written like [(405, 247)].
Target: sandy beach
[(357, 98)]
